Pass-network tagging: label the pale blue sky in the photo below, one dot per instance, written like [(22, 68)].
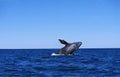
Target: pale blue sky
[(40, 23)]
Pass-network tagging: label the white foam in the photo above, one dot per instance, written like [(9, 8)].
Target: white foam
[(54, 54)]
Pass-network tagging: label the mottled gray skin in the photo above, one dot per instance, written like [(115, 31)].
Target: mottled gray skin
[(69, 48)]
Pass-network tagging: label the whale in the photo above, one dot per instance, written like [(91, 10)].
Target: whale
[(69, 48)]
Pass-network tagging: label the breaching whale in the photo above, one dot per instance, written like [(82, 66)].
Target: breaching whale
[(69, 48)]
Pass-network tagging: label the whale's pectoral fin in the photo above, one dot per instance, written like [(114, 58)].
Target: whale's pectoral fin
[(63, 41)]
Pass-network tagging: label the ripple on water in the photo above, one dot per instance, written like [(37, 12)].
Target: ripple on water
[(39, 68), (10, 70)]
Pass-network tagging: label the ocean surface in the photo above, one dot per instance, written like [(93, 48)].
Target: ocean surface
[(40, 63)]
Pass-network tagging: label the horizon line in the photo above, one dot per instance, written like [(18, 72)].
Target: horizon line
[(60, 48)]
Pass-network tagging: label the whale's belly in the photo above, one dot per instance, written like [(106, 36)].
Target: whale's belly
[(71, 48)]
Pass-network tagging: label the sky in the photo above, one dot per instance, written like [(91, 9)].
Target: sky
[(40, 23)]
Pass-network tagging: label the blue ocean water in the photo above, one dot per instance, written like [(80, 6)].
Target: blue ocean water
[(40, 63)]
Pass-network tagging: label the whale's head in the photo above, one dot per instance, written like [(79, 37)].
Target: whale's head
[(72, 47), (78, 44)]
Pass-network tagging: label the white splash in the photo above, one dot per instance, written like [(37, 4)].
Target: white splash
[(54, 54)]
